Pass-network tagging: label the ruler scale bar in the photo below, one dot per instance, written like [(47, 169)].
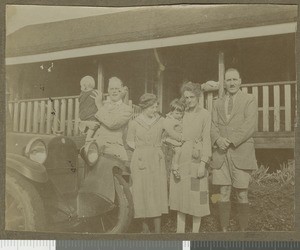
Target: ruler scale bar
[(144, 244), (27, 244)]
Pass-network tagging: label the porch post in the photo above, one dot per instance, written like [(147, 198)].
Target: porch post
[(160, 79), (146, 80), (221, 73), (160, 89), (100, 77)]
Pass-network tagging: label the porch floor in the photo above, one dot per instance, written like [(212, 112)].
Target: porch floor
[(263, 140), (274, 140)]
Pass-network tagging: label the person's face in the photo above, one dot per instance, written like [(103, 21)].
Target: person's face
[(152, 110), (232, 82), (190, 99), (177, 114), (82, 87), (115, 91)]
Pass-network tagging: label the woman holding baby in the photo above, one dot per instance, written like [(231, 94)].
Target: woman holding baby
[(189, 193)]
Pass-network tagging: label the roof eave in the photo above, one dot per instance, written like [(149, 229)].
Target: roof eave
[(258, 31)]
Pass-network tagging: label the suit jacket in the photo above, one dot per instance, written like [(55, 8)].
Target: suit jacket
[(239, 129), (114, 120)]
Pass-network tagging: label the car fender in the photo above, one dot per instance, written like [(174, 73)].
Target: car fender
[(26, 167), (97, 193)]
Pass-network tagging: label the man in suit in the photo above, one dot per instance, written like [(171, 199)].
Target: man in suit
[(113, 116), (234, 120)]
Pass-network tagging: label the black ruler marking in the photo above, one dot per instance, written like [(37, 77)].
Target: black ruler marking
[(244, 245)]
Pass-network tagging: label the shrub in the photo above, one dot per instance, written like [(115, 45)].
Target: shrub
[(286, 175)]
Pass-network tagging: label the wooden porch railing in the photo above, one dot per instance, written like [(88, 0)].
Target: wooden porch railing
[(47, 116), (276, 104), (276, 107)]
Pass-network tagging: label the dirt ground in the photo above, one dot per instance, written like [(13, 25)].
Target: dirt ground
[(271, 209), (271, 199)]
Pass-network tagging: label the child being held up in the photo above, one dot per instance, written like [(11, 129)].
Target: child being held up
[(173, 136), (87, 107)]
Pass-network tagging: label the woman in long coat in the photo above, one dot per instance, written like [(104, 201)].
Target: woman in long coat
[(189, 194), (148, 171)]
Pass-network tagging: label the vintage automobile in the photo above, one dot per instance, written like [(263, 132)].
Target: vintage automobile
[(44, 175)]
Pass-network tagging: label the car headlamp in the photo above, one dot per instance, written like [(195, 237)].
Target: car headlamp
[(36, 150), (90, 153)]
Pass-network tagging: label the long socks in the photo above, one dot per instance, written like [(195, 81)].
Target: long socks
[(224, 213)]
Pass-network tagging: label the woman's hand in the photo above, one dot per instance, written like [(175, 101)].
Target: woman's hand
[(201, 169), (131, 145), (195, 153), (175, 166)]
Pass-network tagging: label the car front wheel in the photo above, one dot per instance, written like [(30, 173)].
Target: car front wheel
[(118, 219), (24, 209)]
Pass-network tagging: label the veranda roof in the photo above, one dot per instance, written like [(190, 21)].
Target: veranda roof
[(144, 28)]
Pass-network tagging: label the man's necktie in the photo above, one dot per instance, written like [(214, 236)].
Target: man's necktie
[(230, 105)]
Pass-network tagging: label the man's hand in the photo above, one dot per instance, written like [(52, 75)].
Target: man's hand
[(223, 143), (201, 170), (98, 97), (228, 142), (93, 125), (124, 91), (88, 124)]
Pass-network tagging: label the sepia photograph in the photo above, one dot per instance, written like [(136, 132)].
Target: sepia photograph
[(150, 120)]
